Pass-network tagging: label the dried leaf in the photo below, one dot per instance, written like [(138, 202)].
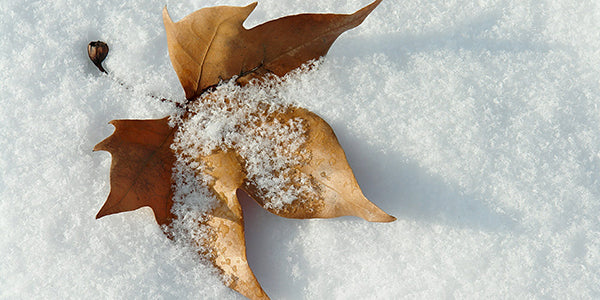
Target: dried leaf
[(211, 44), (141, 171), (226, 220), (206, 47), (142, 162), (336, 192)]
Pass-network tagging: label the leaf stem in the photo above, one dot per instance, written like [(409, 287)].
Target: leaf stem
[(130, 88), (98, 51)]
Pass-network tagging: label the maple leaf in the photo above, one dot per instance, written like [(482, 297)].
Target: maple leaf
[(142, 162), (210, 46), (335, 190)]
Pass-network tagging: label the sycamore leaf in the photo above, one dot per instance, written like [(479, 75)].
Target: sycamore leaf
[(207, 47), (227, 241), (211, 44), (142, 162), (335, 190), (140, 175), (335, 193)]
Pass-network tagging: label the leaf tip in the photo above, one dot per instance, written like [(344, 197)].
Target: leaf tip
[(253, 5), (102, 212), (114, 205), (378, 216), (166, 17), (98, 216), (102, 146), (365, 11), (367, 210), (386, 219), (374, 4), (98, 147)]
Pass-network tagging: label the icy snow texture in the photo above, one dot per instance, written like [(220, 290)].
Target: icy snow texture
[(250, 121), (192, 201), (476, 123)]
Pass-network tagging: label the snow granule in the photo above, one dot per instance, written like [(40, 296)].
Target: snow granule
[(252, 122)]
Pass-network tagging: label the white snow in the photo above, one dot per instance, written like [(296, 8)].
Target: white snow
[(475, 123), (249, 120)]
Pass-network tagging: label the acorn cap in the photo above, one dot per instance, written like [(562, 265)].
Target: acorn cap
[(97, 52)]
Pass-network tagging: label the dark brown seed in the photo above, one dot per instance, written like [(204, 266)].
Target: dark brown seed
[(97, 51)]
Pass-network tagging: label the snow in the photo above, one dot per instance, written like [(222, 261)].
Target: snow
[(475, 123), (249, 120)]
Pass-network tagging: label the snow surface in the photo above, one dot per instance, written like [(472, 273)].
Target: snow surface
[(475, 123)]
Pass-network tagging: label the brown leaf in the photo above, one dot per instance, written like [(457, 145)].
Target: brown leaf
[(206, 47), (140, 175), (336, 192), (211, 44), (142, 162), (226, 220)]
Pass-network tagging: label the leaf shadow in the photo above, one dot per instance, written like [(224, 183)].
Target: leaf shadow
[(474, 35), (268, 241), (419, 195)]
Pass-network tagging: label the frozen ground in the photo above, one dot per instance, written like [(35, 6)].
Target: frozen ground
[(475, 123)]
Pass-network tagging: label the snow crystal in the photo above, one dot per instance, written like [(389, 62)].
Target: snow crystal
[(191, 204), (252, 122)]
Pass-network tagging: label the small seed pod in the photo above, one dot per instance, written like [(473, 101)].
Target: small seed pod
[(97, 51)]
